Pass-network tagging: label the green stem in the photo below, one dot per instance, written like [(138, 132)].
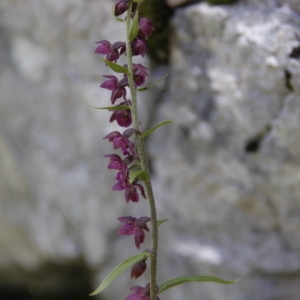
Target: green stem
[(140, 142)]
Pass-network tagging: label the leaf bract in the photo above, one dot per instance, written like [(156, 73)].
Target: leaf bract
[(146, 133), (115, 67), (119, 269), (150, 86), (134, 29), (181, 280), (159, 222), (141, 174), (116, 107)]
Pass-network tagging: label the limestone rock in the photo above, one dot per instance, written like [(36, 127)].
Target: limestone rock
[(228, 176)]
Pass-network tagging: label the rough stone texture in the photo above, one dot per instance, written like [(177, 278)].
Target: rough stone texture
[(230, 173), (56, 206), (227, 177)]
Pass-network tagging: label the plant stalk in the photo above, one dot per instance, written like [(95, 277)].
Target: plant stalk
[(140, 142)]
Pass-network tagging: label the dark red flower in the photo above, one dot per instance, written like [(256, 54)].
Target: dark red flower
[(123, 117), (136, 227), (139, 74), (140, 293), (139, 46), (117, 87), (122, 141), (112, 51), (145, 28)]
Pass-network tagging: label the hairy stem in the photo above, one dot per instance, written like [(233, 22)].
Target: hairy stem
[(143, 159)]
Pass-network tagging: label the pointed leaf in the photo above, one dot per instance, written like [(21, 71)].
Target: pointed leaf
[(159, 222), (119, 269), (115, 67), (150, 86), (141, 174), (181, 280), (119, 19), (146, 133), (135, 166), (134, 27), (116, 107)]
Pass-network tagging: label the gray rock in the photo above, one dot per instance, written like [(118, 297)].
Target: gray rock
[(230, 172), (227, 177)]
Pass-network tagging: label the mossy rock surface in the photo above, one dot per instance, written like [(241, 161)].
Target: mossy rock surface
[(160, 14)]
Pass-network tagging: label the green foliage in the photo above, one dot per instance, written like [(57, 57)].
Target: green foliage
[(134, 27), (115, 67), (116, 107), (146, 133), (149, 87), (181, 280), (141, 175), (119, 269)]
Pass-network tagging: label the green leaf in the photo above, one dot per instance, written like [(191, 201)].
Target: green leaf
[(116, 107), (141, 174), (149, 87), (134, 27), (119, 269), (135, 166), (181, 280), (119, 19), (159, 222), (146, 133), (115, 67)]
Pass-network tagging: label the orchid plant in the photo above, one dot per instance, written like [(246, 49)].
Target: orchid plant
[(132, 170)]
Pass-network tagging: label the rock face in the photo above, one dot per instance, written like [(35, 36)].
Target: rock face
[(229, 174), (227, 177)]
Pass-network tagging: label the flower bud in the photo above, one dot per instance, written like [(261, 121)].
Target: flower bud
[(120, 7), (138, 269)]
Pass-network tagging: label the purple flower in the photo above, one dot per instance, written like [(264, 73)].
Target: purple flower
[(136, 227), (140, 293), (123, 117), (131, 190), (116, 163), (139, 74), (112, 51), (139, 46), (145, 28), (122, 141), (117, 87)]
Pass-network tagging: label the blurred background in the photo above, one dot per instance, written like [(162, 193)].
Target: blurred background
[(227, 177)]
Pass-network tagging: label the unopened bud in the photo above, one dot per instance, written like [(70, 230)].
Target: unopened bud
[(138, 269)]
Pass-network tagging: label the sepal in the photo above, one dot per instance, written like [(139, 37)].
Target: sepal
[(134, 29)]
